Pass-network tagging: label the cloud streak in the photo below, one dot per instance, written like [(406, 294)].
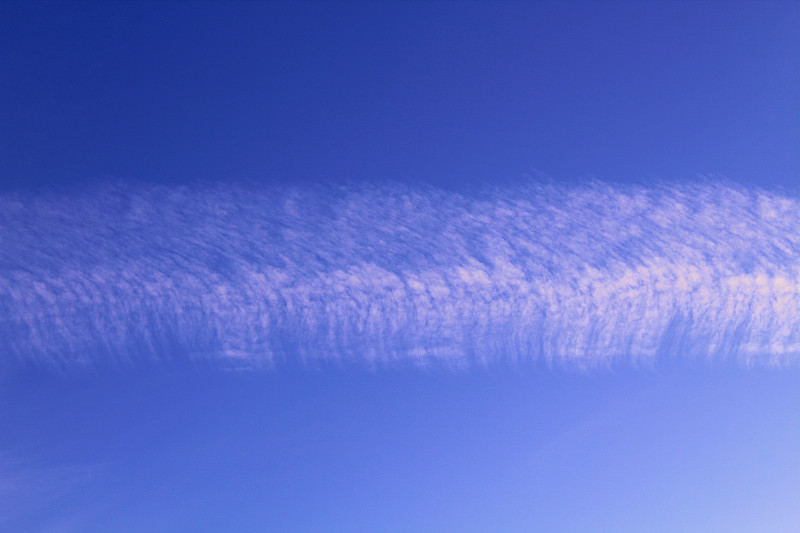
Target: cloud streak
[(251, 275)]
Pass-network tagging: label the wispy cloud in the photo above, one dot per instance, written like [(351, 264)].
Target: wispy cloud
[(252, 275), (26, 486)]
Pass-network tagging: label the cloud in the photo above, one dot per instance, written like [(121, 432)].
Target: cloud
[(250, 275), (27, 486)]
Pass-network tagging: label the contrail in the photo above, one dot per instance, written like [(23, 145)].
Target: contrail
[(251, 275)]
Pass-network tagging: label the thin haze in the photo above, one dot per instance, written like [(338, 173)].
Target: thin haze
[(251, 275)]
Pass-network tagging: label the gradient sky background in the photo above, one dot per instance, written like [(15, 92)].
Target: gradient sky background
[(176, 139)]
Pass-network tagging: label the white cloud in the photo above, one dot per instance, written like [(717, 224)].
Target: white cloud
[(249, 275)]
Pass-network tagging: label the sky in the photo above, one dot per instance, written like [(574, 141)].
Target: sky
[(399, 266)]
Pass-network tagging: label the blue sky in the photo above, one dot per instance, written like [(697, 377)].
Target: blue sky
[(415, 266)]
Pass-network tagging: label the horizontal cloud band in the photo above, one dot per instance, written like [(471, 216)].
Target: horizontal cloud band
[(247, 275)]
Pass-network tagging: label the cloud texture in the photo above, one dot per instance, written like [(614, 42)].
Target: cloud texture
[(250, 275)]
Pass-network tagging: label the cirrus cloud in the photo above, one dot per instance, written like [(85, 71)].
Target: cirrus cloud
[(251, 275)]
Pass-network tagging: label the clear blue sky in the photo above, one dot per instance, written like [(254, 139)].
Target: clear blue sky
[(410, 90), (414, 266)]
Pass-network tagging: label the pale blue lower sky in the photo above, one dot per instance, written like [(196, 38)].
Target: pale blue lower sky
[(685, 448)]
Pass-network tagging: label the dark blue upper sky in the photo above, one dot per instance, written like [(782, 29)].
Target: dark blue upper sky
[(443, 92)]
